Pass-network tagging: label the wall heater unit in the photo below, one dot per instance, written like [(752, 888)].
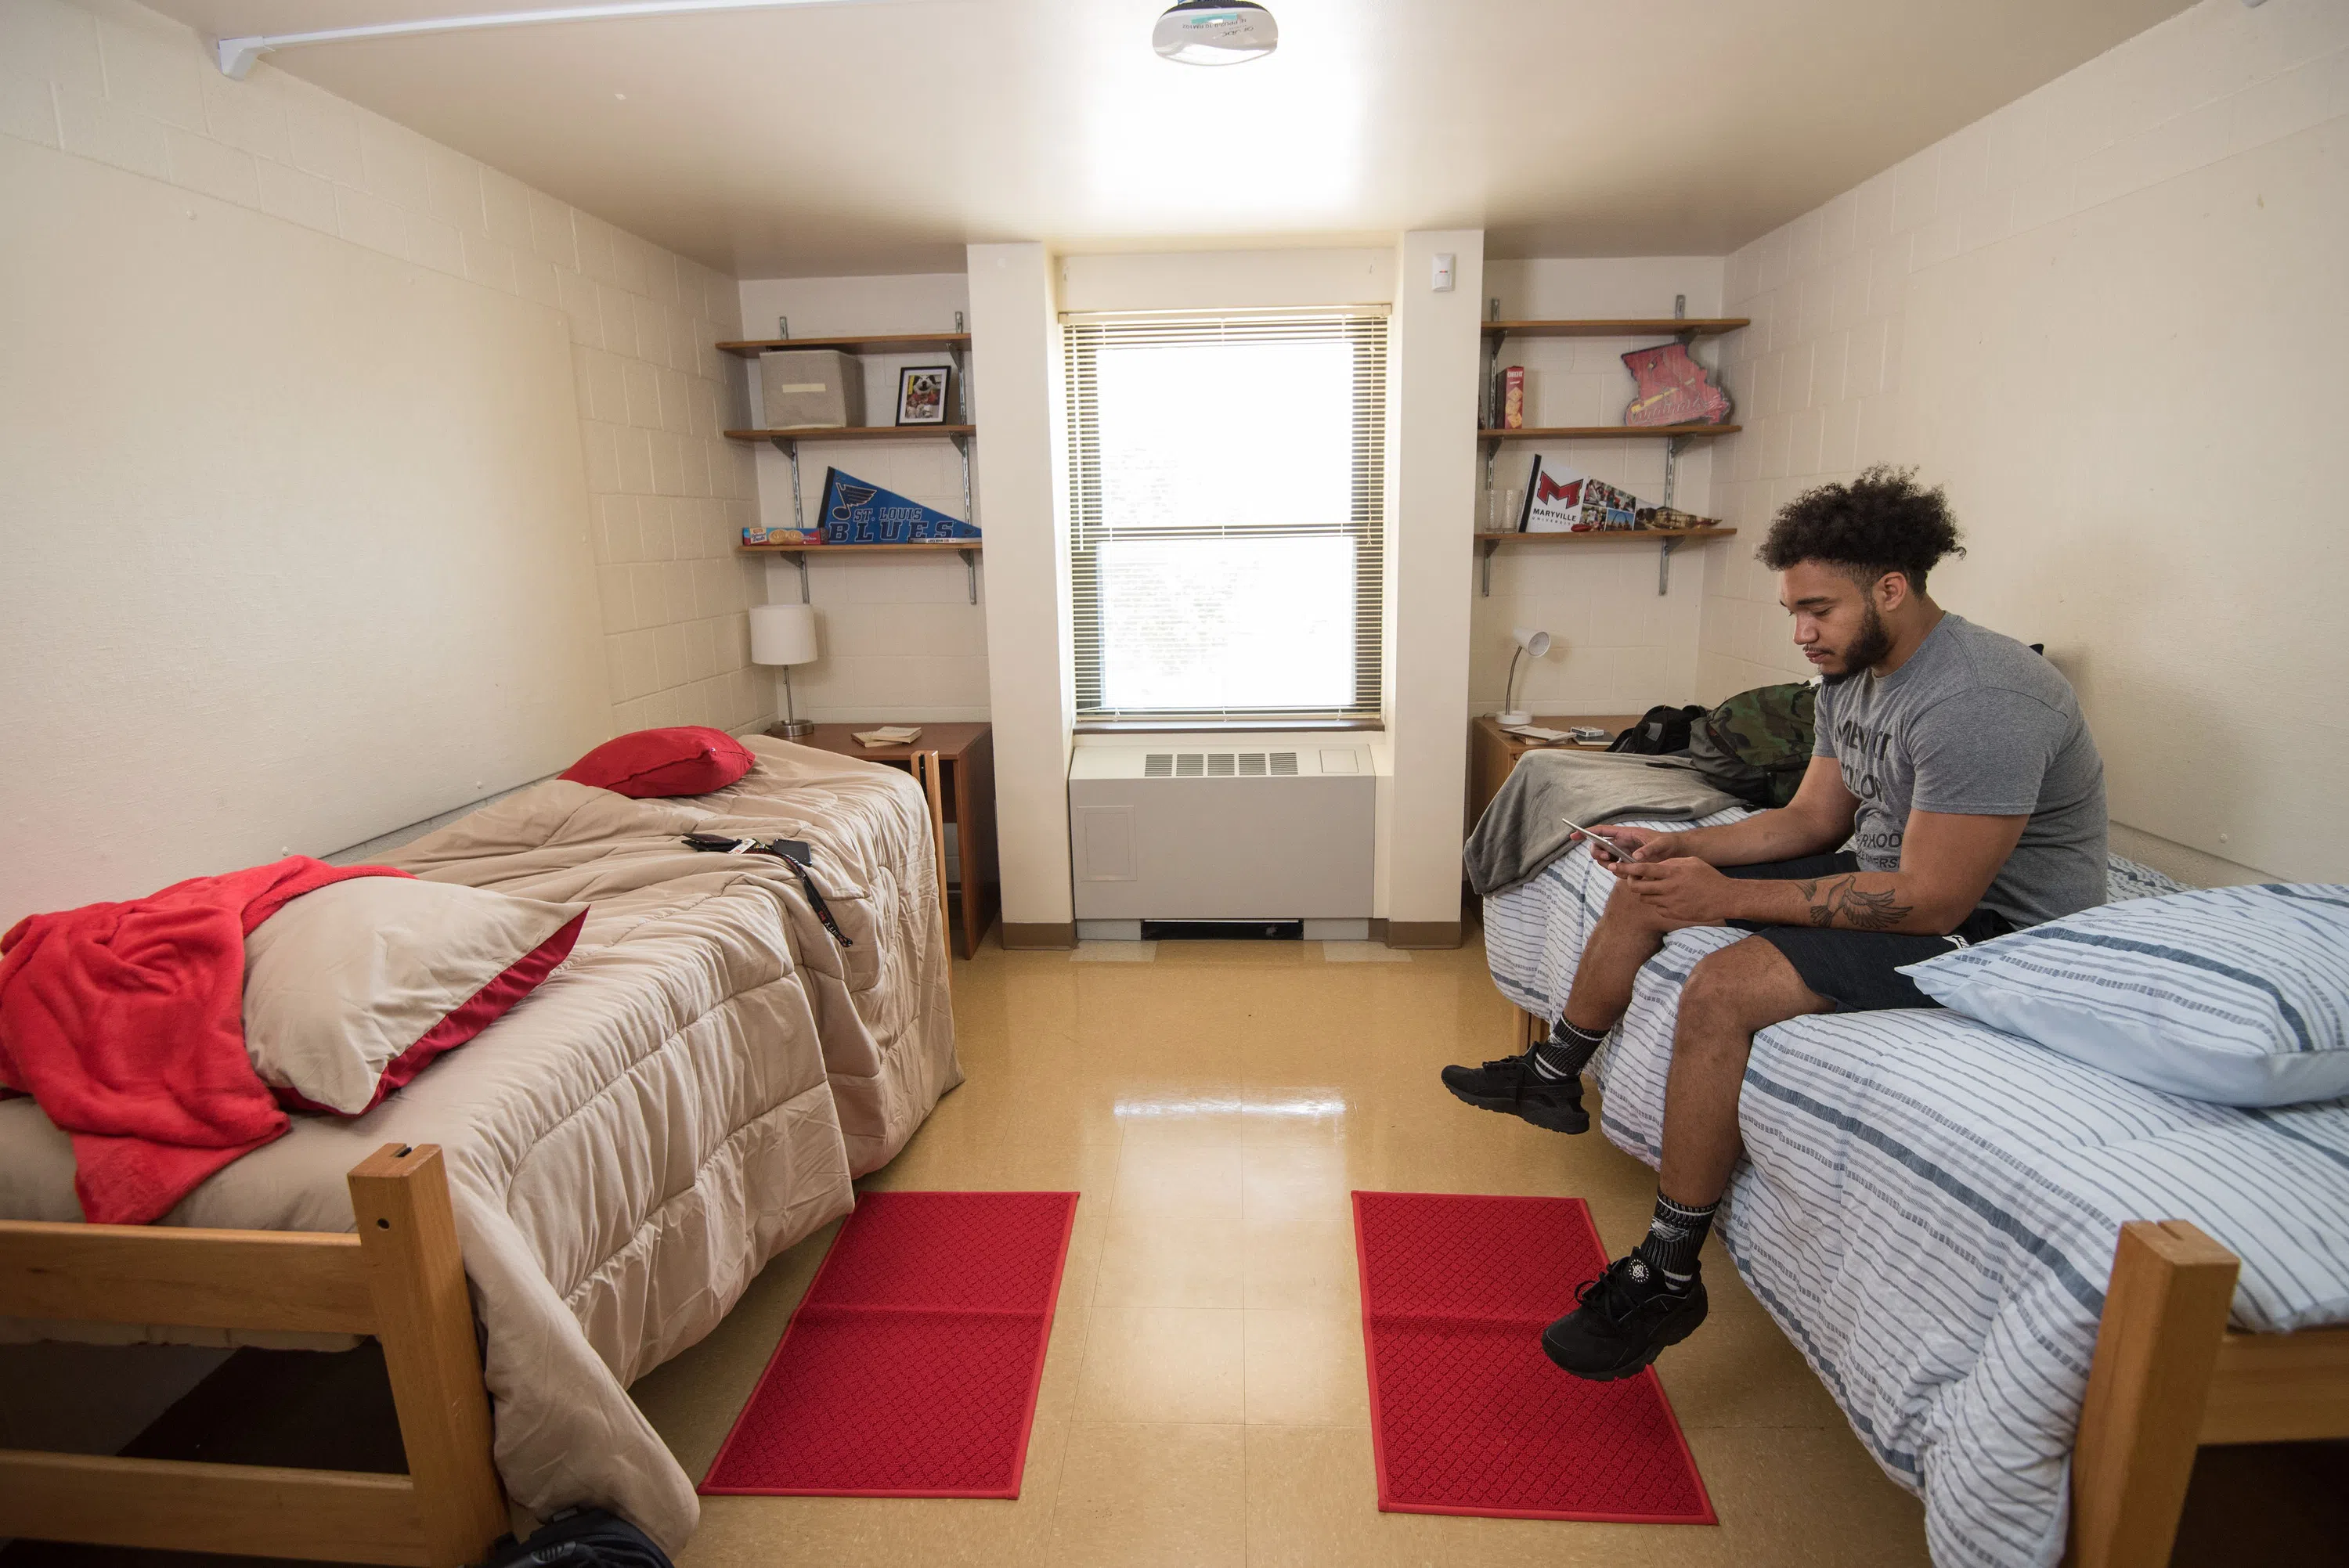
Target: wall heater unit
[(1268, 829)]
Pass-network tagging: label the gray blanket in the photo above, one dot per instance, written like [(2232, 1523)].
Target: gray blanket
[(1523, 829)]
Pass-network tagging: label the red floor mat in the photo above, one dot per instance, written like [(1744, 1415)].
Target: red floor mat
[(910, 1369), (1467, 1414)]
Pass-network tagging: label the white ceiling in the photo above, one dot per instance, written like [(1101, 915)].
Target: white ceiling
[(884, 135)]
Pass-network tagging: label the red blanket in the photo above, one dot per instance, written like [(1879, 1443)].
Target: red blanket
[(126, 1022)]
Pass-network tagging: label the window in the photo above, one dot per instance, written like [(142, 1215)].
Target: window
[(1228, 536)]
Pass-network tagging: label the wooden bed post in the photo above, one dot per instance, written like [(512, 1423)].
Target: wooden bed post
[(399, 1278), (928, 768), (2164, 1315), (407, 1236)]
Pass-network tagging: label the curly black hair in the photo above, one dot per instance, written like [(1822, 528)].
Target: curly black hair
[(1881, 521)]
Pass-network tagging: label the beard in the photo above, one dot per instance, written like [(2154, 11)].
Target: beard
[(1867, 649)]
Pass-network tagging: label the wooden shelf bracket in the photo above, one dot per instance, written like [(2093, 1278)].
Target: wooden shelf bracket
[(798, 558), (1487, 545), (1666, 541)]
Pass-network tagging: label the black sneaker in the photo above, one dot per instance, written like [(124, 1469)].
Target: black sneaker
[(1512, 1085), (1622, 1321)]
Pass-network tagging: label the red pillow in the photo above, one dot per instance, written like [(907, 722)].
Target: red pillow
[(687, 760)]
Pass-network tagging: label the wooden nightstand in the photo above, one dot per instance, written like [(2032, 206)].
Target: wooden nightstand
[(1493, 752), (967, 753)]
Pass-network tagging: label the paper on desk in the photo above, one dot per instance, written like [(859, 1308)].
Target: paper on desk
[(890, 734)]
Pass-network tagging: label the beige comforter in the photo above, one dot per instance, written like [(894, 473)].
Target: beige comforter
[(689, 1094)]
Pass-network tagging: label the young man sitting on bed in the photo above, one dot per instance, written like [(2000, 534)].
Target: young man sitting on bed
[(1956, 761)]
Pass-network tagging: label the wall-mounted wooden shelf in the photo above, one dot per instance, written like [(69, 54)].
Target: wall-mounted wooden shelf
[(1637, 326), (856, 433), (797, 555), (1673, 437), (1667, 539), (1488, 542), (877, 343), (1599, 432), (915, 547), (957, 344)]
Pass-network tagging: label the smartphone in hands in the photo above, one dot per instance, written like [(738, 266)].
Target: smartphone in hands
[(1602, 848)]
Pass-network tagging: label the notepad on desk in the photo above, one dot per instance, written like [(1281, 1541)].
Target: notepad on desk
[(889, 734)]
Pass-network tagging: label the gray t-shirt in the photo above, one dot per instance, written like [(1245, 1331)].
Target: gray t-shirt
[(1975, 725)]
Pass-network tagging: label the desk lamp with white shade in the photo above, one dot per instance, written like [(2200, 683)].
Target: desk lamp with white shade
[(784, 634), (1534, 643)]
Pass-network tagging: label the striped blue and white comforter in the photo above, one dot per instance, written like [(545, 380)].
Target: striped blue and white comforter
[(1929, 1209)]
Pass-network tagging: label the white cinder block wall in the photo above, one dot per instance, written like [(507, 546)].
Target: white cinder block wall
[(2109, 318), (1617, 647), (897, 640), (118, 83)]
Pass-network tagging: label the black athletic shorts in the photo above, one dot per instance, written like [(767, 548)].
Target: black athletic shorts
[(1859, 971)]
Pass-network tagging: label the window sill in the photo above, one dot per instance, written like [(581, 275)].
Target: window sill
[(1226, 727)]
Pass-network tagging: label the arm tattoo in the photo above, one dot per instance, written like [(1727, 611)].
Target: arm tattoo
[(1858, 909)]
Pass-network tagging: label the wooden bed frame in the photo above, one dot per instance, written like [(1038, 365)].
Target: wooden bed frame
[(2170, 1376), (399, 1278)]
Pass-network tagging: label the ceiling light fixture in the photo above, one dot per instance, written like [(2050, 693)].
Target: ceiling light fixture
[(236, 55), (1215, 33)]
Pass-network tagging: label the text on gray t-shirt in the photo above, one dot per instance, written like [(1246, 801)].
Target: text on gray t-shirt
[(1975, 724)]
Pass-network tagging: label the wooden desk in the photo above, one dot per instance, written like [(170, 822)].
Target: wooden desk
[(966, 751), (1493, 752)]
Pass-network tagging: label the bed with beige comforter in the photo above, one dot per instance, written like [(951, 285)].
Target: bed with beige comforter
[(692, 1092)]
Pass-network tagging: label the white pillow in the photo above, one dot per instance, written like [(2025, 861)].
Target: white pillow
[(351, 989), (2238, 996)]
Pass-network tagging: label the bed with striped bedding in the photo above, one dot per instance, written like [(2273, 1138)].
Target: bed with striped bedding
[(1929, 1209)]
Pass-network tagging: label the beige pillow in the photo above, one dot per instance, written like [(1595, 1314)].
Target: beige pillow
[(351, 990)]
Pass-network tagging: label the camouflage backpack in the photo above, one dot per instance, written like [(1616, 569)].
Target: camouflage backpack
[(1757, 745)]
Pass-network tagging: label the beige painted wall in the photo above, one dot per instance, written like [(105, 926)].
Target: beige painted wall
[(294, 534), (898, 640), (1300, 279), (114, 83), (1016, 346), (1435, 472), (2108, 317), (1617, 646)]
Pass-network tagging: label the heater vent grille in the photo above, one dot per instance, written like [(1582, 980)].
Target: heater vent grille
[(1219, 765)]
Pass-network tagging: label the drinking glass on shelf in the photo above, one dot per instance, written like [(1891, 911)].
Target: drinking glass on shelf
[(1501, 509)]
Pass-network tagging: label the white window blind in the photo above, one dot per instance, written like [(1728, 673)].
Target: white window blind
[(1228, 523)]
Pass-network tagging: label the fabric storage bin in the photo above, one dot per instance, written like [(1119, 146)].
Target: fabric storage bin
[(811, 388)]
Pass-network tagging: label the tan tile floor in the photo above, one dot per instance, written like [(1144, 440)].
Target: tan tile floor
[(1204, 1401)]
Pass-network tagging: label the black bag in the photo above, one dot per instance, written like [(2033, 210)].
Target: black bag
[(1660, 731), (1757, 745), (581, 1538)]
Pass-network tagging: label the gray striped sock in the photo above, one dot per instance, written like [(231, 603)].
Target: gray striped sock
[(1566, 1052), (1674, 1237)]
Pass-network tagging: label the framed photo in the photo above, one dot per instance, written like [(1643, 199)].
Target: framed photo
[(921, 394)]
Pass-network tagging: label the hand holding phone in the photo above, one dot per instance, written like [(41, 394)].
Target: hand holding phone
[(1602, 848)]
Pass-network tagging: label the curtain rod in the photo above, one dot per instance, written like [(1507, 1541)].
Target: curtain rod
[(236, 55)]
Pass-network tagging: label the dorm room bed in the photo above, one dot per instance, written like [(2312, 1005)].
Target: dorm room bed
[(692, 1092), (1999, 1261)]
